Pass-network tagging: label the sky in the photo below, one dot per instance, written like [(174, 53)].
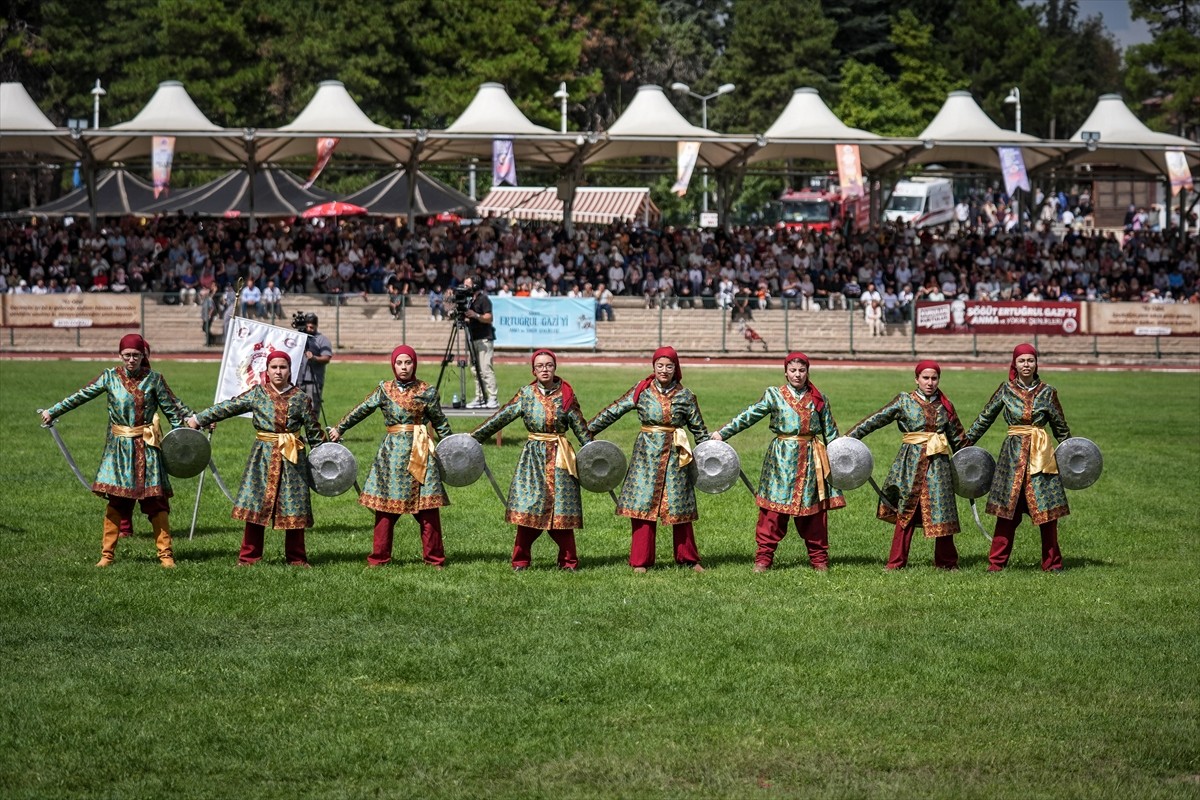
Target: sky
[(1116, 18)]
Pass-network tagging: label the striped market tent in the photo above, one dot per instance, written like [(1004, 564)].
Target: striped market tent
[(594, 205)]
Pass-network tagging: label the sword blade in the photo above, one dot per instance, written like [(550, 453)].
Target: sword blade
[(62, 448), (978, 524), (492, 478), (613, 495), (212, 467), (749, 486), (883, 497)]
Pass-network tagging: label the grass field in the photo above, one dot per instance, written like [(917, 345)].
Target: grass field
[(344, 682)]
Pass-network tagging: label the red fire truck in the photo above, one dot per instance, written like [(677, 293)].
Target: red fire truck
[(821, 206)]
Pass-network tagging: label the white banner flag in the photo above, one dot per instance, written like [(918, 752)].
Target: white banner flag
[(162, 153), (244, 363), (688, 153)]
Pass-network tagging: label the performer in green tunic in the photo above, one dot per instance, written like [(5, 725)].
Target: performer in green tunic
[(544, 495), (274, 491), (1026, 479), (795, 472), (405, 477), (657, 486), (920, 484), (131, 469)]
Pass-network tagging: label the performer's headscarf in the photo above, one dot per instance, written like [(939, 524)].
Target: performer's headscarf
[(274, 354), (817, 398), (1022, 350), (568, 394), (407, 351), (936, 367), (662, 352), (133, 341)]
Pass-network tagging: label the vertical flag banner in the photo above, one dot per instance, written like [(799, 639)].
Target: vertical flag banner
[(244, 362), (162, 153), (849, 163), (504, 163), (1012, 165), (325, 148), (688, 153), (1177, 169)]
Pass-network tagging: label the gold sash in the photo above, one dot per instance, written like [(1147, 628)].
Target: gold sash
[(566, 454), (422, 448), (681, 441), (151, 434), (1041, 452), (934, 442), (819, 454), (288, 443)]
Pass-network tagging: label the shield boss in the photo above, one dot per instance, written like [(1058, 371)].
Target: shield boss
[(850, 463), (1079, 462), (973, 469), (332, 469), (601, 466), (716, 466), (185, 452), (461, 458)]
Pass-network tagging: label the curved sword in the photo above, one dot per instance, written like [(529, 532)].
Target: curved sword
[(883, 497), (62, 448), (212, 466), (978, 524)]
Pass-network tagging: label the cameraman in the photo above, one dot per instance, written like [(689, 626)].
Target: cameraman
[(478, 315), (318, 352)]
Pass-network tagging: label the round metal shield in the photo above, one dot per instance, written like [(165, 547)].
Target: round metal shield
[(1079, 462), (973, 469), (601, 466), (185, 452), (850, 463), (332, 469), (716, 466), (461, 458)]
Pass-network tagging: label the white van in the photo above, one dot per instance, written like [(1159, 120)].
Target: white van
[(924, 202)]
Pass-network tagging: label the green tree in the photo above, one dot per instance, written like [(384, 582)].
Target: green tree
[(775, 46), (1164, 74), (863, 28), (870, 100)]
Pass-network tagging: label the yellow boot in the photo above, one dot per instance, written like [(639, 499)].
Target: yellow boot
[(108, 542), (162, 538)]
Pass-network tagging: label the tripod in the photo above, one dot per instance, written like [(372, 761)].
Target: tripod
[(460, 341)]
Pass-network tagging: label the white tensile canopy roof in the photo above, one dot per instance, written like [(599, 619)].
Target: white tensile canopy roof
[(651, 126), (170, 112), (962, 132), (490, 115), (1126, 141), (24, 128), (333, 112), (807, 129)]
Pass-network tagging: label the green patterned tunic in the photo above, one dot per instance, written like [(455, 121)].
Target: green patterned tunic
[(1043, 492), (274, 492), (390, 487), (790, 479), (917, 481), (656, 487), (542, 495), (129, 468)]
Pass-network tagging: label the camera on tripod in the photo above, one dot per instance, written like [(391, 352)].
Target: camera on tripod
[(463, 296), (301, 319)]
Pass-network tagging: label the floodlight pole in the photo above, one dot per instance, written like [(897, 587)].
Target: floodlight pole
[(683, 88)]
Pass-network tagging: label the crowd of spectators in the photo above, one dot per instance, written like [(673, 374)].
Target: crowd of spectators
[(200, 261)]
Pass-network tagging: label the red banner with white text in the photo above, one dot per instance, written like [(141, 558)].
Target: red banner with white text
[(979, 316)]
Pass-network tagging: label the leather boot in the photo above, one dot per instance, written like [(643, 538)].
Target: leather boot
[(160, 524), (108, 542)]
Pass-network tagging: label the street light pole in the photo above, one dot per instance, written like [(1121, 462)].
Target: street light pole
[(683, 88), (97, 93), (562, 96)]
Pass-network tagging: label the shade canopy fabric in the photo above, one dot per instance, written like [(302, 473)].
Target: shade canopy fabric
[(170, 112), (118, 193), (593, 205), (1126, 141), (652, 127), (389, 196), (491, 115), (808, 130), (333, 112), (25, 129), (277, 193)]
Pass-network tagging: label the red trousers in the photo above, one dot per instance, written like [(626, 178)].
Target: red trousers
[(430, 522), (945, 554), (252, 545), (522, 553), (1002, 541), (772, 527), (124, 507), (641, 552)]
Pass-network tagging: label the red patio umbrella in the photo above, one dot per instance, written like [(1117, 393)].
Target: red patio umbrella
[(335, 208)]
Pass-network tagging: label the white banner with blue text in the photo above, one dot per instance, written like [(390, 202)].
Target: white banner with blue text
[(551, 322)]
